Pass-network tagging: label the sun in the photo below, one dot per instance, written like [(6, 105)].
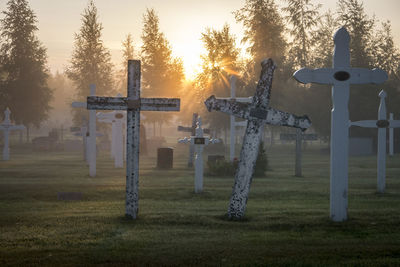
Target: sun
[(190, 55)]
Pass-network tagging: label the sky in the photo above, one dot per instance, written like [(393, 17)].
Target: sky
[(182, 22)]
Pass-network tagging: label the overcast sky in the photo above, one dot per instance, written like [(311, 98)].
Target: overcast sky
[(182, 22)]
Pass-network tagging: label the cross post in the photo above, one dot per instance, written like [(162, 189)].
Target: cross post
[(198, 141), (391, 141), (340, 77), (257, 113), (6, 126), (133, 103)]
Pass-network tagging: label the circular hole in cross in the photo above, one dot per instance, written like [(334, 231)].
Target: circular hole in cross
[(341, 76)]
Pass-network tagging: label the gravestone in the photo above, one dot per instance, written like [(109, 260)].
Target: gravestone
[(257, 114), (133, 103), (6, 126), (91, 138), (382, 124), (192, 131), (165, 157), (198, 141), (340, 77)]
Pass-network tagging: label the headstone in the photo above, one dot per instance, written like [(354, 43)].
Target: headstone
[(258, 113), (198, 141), (165, 157), (6, 126), (382, 124), (192, 131), (91, 138), (340, 77), (133, 103)]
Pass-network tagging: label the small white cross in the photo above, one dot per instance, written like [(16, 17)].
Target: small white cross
[(198, 141), (6, 126)]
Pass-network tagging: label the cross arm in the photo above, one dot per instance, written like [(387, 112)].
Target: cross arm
[(281, 118), (237, 109), (331, 76), (364, 123), (394, 123), (124, 103)]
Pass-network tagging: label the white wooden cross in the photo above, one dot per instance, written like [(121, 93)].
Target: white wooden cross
[(198, 141), (192, 131), (382, 123), (257, 114), (233, 122), (6, 126), (133, 104), (91, 139), (340, 76), (116, 118)]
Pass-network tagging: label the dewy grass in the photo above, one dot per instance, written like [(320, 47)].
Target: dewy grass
[(286, 221)]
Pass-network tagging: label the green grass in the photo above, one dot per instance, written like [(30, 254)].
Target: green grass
[(287, 218)]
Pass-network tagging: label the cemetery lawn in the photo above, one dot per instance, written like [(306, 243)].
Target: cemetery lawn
[(287, 219)]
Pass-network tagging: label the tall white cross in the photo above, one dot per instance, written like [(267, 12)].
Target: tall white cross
[(6, 126), (340, 76), (382, 123), (257, 114), (91, 139), (133, 104), (198, 141), (116, 118), (192, 131)]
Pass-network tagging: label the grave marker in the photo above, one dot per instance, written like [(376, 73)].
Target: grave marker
[(257, 114), (133, 103), (192, 131), (340, 77), (91, 139), (198, 141), (382, 124), (6, 126)]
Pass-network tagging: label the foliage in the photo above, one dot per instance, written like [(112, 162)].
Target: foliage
[(91, 61), (128, 53), (23, 72), (218, 64), (162, 74)]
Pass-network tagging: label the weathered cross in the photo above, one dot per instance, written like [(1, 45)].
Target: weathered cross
[(133, 104), (117, 148), (340, 76), (91, 139), (6, 126), (192, 131), (298, 137), (382, 123), (257, 114), (198, 141)]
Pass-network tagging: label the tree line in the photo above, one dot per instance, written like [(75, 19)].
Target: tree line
[(295, 35)]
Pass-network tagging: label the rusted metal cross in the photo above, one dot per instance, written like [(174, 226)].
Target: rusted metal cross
[(257, 113), (133, 104)]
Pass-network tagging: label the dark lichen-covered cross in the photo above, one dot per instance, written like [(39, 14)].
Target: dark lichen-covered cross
[(257, 114)]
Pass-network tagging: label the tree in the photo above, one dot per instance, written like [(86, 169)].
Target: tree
[(23, 63), (162, 74), (303, 17), (128, 53), (218, 64), (91, 61)]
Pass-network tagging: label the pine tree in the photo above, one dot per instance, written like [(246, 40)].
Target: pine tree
[(23, 63), (128, 53), (91, 61), (303, 17), (162, 75)]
